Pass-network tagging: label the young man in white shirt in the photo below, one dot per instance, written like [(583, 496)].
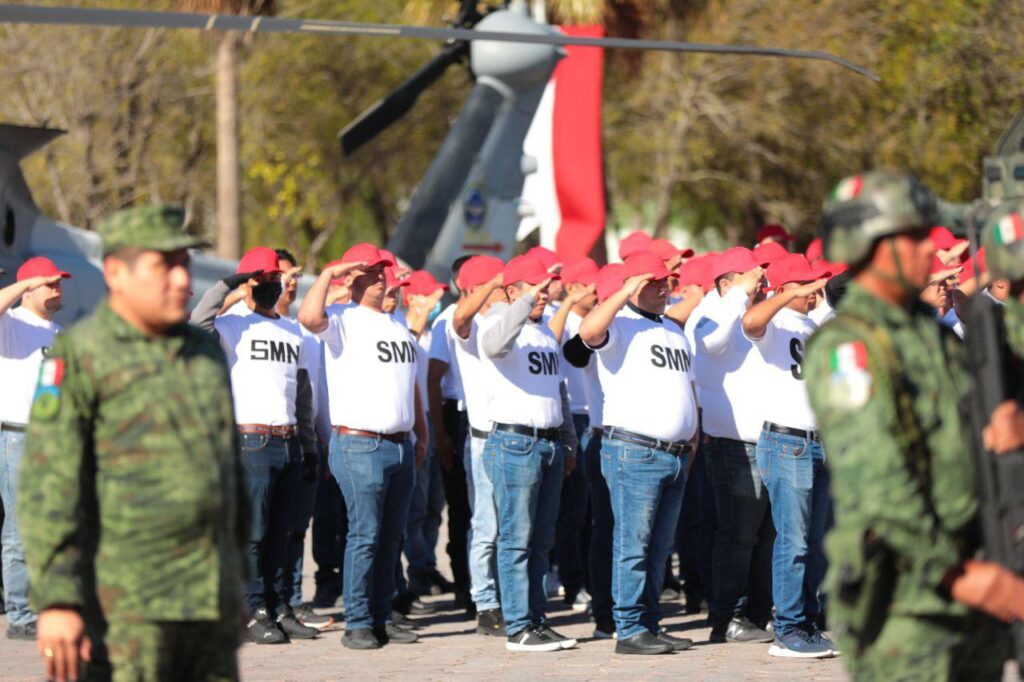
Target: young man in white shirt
[(728, 372), (374, 404), (26, 332), (579, 281), (479, 279), (529, 407), (790, 457), (650, 430), (268, 359)]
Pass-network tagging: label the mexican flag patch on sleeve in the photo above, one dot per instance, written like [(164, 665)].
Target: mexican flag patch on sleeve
[(46, 402), (849, 379)]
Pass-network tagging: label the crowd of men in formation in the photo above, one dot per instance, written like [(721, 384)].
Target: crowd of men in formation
[(580, 422)]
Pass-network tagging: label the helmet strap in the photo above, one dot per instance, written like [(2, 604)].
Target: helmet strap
[(899, 277)]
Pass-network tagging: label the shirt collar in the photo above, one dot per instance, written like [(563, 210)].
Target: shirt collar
[(643, 313)]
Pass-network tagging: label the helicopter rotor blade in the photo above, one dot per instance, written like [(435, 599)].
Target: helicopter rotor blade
[(400, 100), (24, 14)]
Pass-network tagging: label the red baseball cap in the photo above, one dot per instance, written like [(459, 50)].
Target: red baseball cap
[(824, 268), (259, 258), (478, 270), (815, 250), (736, 259), (941, 271), (391, 280), (40, 266), (422, 283), (980, 260), (695, 271), (645, 263), (776, 231), (667, 250), (944, 240), (526, 268), (792, 268), (632, 243), (769, 252), (548, 258), (369, 254), (609, 280), (583, 270)]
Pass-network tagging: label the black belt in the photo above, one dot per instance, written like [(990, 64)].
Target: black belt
[(676, 448), (13, 427), (798, 433), (546, 434), (477, 433)]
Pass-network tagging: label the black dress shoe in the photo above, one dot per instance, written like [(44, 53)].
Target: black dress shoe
[(360, 638), (742, 631), (439, 581), (677, 643), (643, 643), (292, 627)]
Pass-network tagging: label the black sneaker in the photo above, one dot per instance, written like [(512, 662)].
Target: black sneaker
[(360, 638), (644, 644), (694, 601), (292, 627), (421, 608), (677, 643), (439, 581), (563, 641), (26, 631), (263, 630), (743, 631), (310, 619), (533, 638), (403, 621), (392, 634), (490, 622), (325, 596)]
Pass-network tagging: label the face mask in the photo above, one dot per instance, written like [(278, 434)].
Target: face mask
[(435, 311), (265, 295)]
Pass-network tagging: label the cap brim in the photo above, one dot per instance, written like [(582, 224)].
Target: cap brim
[(687, 253), (944, 274)]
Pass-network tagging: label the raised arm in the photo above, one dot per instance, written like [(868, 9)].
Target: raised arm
[(594, 328), (311, 313), (757, 317), (471, 304), (12, 294)]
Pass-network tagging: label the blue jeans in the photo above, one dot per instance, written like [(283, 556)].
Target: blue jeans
[(793, 469), (646, 488), (272, 470), (301, 512), (741, 558), (599, 553), (483, 531), (425, 510), (376, 478), (527, 475), (573, 511), (15, 572)]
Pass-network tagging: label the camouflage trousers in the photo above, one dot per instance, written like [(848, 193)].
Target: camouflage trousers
[(941, 648), (152, 651)]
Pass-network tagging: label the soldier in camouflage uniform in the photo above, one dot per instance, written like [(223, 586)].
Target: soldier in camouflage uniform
[(885, 381), (131, 488)]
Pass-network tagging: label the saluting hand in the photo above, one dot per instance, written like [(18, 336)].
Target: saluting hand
[(61, 641), (238, 279), (808, 289), (289, 275), (339, 270), (537, 288), (579, 294), (750, 280), (636, 283), (33, 283)]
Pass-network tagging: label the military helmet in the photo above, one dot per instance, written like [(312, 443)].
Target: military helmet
[(1003, 239), (864, 208)]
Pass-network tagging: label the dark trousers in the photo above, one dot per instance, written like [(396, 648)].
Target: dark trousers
[(573, 511), (741, 560), (272, 467), (695, 534), (330, 530), (599, 553), (301, 513), (456, 493)]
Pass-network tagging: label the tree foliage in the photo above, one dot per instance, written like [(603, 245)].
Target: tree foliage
[(713, 144)]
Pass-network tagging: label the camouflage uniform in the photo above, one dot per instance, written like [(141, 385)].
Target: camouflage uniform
[(885, 383), (131, 487)]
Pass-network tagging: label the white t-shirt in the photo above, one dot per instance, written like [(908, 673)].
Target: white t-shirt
[(264, 357), (371, 361), (575, 381), (595, 394), (442, 348), (24, 338), (523, 384), (729, 371), (467, 358), (423, 342), (645, 371), (710, 299), (783, 389), (821, 313)]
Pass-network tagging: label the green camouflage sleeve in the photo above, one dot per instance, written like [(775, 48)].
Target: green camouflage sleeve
[(56, 479), (872, 485)]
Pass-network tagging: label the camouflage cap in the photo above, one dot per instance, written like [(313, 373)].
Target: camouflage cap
[(863, 208), (157, 227), (1003, 239)]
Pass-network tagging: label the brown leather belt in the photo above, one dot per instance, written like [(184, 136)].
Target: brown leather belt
[(399, 437), (596, 432), (283, 431)]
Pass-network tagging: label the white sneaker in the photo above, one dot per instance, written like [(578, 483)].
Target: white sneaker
[(582, 603), (601, 634), (552, 585), (533, 638)]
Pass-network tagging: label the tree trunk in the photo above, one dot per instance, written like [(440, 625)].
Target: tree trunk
[(229, 234)]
